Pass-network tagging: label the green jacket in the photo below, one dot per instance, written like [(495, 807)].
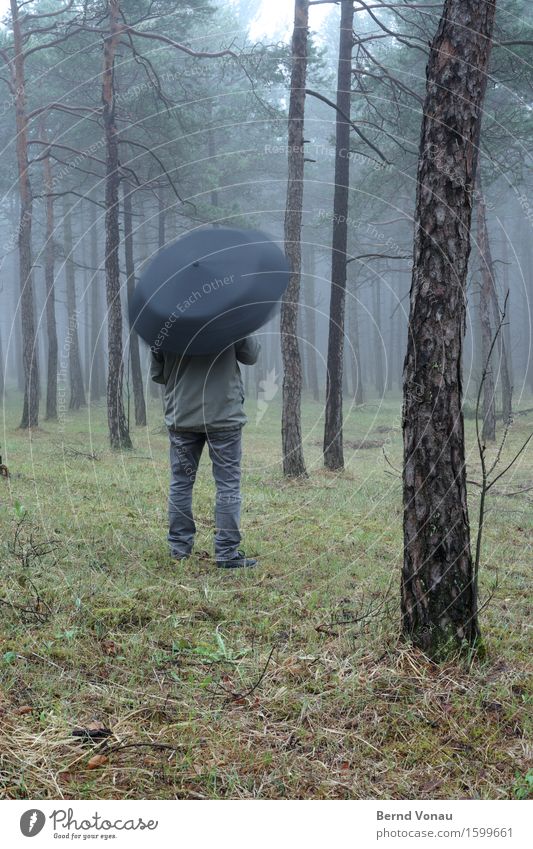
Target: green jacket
[(204, 393)]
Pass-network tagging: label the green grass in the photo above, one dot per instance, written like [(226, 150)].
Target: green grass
[(247, 677)]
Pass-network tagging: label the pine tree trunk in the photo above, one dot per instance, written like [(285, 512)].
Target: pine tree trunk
[(291, 426), (49, 272), (118, 428), (30, 412), (77, 392), (333, 447), (439, 597), (135, 359), (487, 331)]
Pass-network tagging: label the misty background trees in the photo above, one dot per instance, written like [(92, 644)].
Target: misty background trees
[(126, 124), (201, 139)]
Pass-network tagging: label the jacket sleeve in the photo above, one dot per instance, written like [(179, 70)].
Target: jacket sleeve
[(247, 350), (157, 365)]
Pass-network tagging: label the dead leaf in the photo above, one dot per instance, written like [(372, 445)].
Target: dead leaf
[(24, 709), (97, 761), (110, 648)]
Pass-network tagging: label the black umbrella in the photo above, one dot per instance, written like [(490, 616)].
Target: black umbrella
[(208, 289)]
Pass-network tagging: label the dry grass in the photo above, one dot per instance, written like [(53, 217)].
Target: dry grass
[(266, 684)]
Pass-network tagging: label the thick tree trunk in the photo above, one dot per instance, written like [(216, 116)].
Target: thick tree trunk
[(333, 447), (487, 330), (135, 358), (50, 309), (439, 603), (118, 428), (291, 427), (77, 392), (30, 412)]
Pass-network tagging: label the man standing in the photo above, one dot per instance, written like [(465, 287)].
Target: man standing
[(203, 402)]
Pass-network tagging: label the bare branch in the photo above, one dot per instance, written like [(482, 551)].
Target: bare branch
[(190, 52), (31, 17), (61, 107), (354, 126), (157, 159), (82, 153)]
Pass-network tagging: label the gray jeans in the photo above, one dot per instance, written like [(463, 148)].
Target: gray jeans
[(225, 453)]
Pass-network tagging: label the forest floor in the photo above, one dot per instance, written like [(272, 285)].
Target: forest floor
[(287, 681)]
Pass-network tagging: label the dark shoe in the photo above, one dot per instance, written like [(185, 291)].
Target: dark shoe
[(240, 561), (179, 557)]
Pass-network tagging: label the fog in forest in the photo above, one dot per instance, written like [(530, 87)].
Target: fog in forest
[(203, 142)]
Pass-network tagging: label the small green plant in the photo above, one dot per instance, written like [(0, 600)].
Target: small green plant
[(19, 509), (523, 788), (9, 656)]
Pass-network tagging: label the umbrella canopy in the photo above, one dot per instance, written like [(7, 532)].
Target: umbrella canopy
[(208, 289)]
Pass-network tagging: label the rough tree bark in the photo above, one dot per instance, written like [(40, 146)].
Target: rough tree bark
[(30, 412), (438, 593), (333, 447), (49, 271), (77, 391), (291, 426), (135, 358), (118, 429)]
